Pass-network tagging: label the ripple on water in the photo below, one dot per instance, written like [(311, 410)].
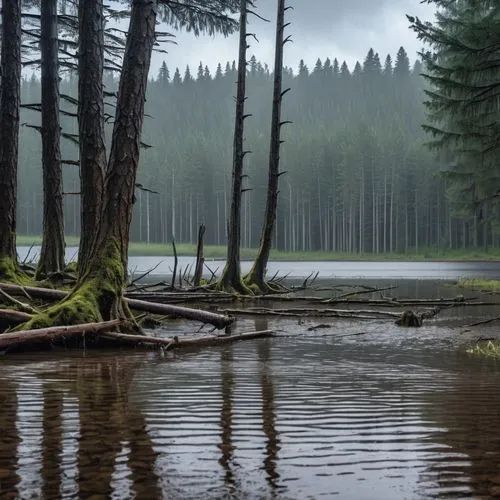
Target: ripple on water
[(308, 417)]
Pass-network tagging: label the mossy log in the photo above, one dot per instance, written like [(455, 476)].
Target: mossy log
[(218, 320), (48, 335)]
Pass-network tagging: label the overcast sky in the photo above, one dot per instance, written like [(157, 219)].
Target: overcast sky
[(345, 29)]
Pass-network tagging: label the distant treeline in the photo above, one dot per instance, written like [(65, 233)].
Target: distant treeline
[(359, 177)]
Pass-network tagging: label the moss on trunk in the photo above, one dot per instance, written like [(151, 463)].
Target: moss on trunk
[(10, 272), (98, 296)]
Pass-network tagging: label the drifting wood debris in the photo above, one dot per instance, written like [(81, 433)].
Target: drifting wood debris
[(218, 320), (49, 335)]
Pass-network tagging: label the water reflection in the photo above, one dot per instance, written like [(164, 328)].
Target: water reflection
[(469, 414), (9, 441), (115, 450), (52, 439), (295, 417), (226, 415)]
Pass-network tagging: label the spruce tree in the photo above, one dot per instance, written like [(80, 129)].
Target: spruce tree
[(463, 70)]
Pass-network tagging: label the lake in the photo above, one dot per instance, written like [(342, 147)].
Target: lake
[(356, 410), (162, 267)]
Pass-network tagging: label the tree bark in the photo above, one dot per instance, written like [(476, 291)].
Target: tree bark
[(256, 277), (90, 123), (9, 134), (200, 260), (231, 275), (52, 252), (218, 320), (15, 339), (98, 294)]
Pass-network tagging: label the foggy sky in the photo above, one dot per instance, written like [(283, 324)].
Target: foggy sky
[(345, 29)]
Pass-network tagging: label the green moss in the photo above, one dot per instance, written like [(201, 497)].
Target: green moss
[(480, 284), (97, 297), (71, 267), (10, 272), (487, 349)]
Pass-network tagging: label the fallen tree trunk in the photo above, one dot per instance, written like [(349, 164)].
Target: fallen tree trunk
[(174, 343), (23, 337), (218, 320), (15, 317)]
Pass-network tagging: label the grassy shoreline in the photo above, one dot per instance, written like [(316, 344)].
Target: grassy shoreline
[(219, 252)]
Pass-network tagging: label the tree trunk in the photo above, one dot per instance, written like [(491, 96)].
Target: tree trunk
[(9, 134), (231, 276), (52, 252), (98, 295), (110, 259), (91, 123), (200, 259)]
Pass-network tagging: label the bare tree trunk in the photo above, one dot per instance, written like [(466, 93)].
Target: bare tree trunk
[(99, 292), (231, 275), (200, 259), (91, 123), (258, 271), (110, 258), (9, 134), (52, 252)]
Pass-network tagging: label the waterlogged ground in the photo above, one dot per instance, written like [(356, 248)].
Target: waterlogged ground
[(354, 410)]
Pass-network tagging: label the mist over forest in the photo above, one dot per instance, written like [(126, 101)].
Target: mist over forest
[(359, 176)]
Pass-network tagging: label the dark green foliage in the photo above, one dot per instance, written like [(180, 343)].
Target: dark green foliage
[(359, 177), (463, 71)]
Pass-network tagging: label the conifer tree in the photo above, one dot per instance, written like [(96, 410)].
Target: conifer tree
[(463, 69)]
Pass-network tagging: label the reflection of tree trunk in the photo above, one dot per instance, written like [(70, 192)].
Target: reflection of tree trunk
[(142, 457), (261, 323), (99, 396), (9, 478), (107, 420), (52, 441), (268, 414), (226, 415)]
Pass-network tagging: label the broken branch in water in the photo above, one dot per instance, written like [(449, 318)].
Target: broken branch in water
[(174, 343), (218, 320), (484, 322), (11, 316), (24, 337)]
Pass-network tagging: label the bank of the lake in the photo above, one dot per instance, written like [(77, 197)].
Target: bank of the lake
[(219, 252)]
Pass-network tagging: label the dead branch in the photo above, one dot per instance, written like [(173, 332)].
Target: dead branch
[(217, 320), (21, 305), (24, 337), (14, 317), (174, 343), (484, 322)]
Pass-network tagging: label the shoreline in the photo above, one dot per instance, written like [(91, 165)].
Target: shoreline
[(218, 253)]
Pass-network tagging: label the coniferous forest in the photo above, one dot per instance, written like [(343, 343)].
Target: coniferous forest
[(359, 176)]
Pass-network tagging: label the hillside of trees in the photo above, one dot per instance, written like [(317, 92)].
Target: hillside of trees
[(359, 177)]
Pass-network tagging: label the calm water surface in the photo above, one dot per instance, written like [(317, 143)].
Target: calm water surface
[(326, 269), (352, 411)]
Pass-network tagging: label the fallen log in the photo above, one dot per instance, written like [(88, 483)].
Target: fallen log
[(23, 337), (218, 320), (175, 342), (15, 317)]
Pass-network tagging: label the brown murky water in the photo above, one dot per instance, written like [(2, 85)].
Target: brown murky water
[(356, 410)]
